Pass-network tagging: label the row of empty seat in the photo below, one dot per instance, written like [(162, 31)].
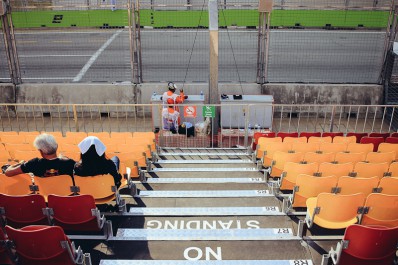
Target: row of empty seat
[(281, 158), (307, 186), (292, 170), (337, 211)]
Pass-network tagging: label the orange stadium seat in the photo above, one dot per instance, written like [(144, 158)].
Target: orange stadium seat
[(343, 157), (312, 157), (323, 139), (58, 185), (338, 170), (310, 186), (101, 187), (258, 135), (262, 145), (360, 148), (290, 172), (388, 147), (388, 185), (349, 185), (333, 147), (368, 170), (15, 185), (305, 147), (376, 157), (381, 210), (280, 159), (345, 139), (289, 139), (334, 211)]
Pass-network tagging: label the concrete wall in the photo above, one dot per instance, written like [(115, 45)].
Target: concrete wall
[(325, 94), (130, 94)]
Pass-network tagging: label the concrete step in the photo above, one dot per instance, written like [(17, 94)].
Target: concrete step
[(206, 161)]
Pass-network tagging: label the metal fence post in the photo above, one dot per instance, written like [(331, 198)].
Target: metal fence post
[(75, 118)]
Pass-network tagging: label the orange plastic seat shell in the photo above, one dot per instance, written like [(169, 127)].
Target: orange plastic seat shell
[(382, 210)]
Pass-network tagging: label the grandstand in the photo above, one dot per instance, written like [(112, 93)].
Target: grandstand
[(309, 177)]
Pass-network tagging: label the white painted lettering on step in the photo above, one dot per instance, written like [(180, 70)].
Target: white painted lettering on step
[(195, 253), (203, 224)]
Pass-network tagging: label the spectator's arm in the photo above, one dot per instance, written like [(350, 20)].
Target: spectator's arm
[(14, 170)]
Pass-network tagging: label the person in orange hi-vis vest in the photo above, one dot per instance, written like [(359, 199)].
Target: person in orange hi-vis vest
[(170, 97)]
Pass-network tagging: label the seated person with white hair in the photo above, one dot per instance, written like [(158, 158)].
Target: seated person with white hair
[(94, 161), (47, 166)]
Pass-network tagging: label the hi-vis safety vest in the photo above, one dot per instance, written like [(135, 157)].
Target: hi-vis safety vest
[(170, 98)]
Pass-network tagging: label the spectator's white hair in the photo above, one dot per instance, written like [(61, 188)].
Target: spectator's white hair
[(46, 143)]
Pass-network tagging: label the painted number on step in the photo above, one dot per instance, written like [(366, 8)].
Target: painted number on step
[(255, 179), (300, 262), (282, 231), (262, 192)]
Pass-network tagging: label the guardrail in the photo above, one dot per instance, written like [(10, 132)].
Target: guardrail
[(237, 123)]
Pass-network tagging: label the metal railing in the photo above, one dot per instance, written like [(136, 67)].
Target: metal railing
[(238, 122)]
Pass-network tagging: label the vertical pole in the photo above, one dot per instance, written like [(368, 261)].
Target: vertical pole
[(213, 74), (391, 32), (9, 42), (264, 8), (135, 41)]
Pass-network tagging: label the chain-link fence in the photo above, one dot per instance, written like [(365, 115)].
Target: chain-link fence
[(339, 41)]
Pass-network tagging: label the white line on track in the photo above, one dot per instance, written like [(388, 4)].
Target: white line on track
[(95, 56)]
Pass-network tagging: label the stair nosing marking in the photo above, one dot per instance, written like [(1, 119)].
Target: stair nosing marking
[(202, 193), (206, 211)]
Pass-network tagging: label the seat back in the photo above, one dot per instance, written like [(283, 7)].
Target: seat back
[(312, 157), (291, 170), (258, 135), (36, 245), (343, 157), (310, 186), (381, 210), (74, 213), (23, 210), (376, 157), (281, 158), (368, 170), (289, 139), (391, 140), (376, 141), (310, 134), (388, 147), (58, 185), (388, 186), (338, 170), (262, 144), (338, 211), (323, 139), (101, 187), (287, 134), (15, 185), (364, 147), (345, 139), (369, 245), (305, 147), (333, 147), (349, 185), (270, 148), (382, 135), (358, 135), (333, 134)]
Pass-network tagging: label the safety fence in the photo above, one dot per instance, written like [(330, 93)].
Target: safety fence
[(324, 41), (212, 125)]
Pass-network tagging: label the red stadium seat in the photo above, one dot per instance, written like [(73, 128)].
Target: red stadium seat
[(43, 245), (287, 134), (392, 140), (384, 135), (357, 135), (332, 134), (395, 134), (373, 140), (75, 213), (364, 245), (309, 134), (20, 211)]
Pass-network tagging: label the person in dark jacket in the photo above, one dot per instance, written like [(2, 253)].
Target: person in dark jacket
[(94, 161)]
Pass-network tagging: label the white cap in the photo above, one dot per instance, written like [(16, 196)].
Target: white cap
[(88, 142)]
